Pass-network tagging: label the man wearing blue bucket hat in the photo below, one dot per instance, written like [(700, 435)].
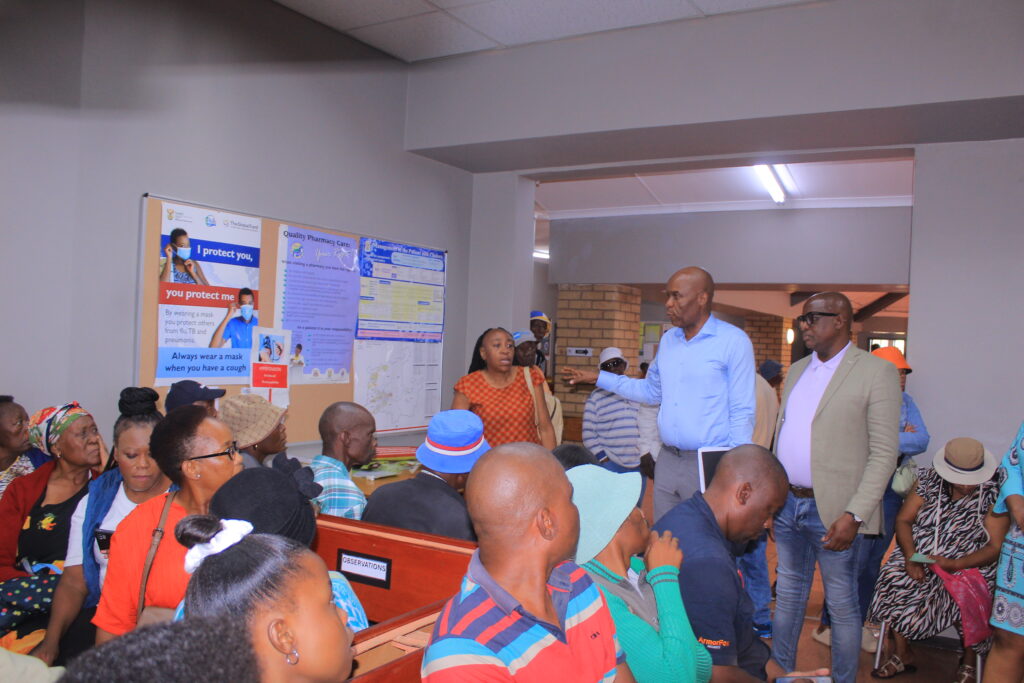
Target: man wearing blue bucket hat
[(432, 501)]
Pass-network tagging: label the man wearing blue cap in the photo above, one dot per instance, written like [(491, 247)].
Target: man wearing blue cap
[(432, 501)]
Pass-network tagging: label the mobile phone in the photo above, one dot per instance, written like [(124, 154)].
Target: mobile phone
[(923, 559), (804, 679), (102, 539)]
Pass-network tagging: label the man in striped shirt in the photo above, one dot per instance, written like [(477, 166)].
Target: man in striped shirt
[(347, 431), (524, 611), (612, 428)]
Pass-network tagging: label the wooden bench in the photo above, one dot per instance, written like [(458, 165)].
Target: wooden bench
[(392, 571), (392, 650)]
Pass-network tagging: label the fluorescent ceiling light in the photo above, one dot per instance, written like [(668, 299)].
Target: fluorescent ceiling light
[(786, 178), (770, 182), (542, 255)]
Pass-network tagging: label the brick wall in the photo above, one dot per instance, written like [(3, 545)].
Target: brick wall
[(768, 335), (594, 316)]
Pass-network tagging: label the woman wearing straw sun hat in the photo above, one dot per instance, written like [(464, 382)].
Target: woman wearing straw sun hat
[(258, 426), (948, 518)]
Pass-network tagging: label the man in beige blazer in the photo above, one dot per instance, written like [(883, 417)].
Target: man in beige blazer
[(838, 438)]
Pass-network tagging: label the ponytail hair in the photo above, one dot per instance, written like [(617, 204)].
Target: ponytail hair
[(240, 578)]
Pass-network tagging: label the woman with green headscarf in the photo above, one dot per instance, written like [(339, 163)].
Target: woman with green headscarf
[(35, 519)]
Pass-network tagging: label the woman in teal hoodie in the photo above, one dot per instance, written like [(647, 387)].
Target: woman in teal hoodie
[(642, 594)]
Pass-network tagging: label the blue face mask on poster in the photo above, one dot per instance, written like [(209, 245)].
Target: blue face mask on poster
[(184, 253), (246, 311)]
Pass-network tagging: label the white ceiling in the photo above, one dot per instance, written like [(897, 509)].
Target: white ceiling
[(414, 30), (823, 184)]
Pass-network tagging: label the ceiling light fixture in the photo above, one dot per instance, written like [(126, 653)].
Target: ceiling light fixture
[(786, 178), (541, 255), (767, 177)]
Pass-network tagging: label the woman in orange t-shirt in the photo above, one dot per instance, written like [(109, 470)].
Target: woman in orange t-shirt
[(496, 389), (198, 454)]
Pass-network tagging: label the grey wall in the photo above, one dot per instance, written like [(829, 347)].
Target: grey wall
[(824, 246), (965, 325), (545, 295), (855, 72), (40, 81), (500, 287), (238, 104)]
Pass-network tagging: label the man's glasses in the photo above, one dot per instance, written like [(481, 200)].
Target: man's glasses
[(231, 453), (813, 317), (613, 363)]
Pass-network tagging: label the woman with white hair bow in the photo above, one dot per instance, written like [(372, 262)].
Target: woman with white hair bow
[(277, 587)]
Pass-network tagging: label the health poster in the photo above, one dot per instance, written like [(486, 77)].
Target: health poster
[(401, 292), (269, 358), (317, 300), (209, 295)]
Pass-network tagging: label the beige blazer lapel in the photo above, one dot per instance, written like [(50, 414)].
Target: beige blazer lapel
[(850, 359)]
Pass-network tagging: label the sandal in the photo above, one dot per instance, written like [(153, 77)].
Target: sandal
[(966, 674), (893, 667)]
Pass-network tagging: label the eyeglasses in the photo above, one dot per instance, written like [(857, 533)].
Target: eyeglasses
[(613, 363), (231, 453), (813, 317)]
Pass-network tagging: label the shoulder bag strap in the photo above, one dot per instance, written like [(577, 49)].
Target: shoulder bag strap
[(158, 534), (533, 395)]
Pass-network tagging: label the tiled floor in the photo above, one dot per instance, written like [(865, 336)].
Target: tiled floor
[(933, 665)]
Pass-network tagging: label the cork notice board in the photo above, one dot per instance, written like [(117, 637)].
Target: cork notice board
[(221, 279)]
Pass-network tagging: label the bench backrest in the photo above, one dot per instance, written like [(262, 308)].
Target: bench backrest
[(392, 571)]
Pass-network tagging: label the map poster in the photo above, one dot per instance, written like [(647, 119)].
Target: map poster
[(401, 292), (399, 382), (209, 274), (269, 358), (318, 301)]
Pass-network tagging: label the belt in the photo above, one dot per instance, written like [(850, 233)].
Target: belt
[(801, 492), (678, 451)]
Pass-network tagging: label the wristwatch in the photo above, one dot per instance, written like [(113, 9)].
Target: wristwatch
[(855, 517)]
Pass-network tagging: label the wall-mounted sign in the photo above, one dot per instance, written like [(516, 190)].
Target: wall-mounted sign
[(579, 351)]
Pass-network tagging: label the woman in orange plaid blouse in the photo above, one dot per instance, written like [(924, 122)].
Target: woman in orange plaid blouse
[(508, 398)]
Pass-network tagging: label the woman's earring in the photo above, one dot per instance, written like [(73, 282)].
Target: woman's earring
[(292, 657)]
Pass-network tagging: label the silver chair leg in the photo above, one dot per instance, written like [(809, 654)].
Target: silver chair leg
[(881, 644), (981, 667)]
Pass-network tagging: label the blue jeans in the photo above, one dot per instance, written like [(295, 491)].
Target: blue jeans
[(754, 566), (872, 552), (798, 533), (613, 466)]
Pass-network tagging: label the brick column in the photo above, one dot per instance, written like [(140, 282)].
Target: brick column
[(768, 335), (593, 316)]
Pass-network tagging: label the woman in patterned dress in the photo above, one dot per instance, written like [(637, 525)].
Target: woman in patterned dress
[(945, 518), (497, 390), (1006, 662)]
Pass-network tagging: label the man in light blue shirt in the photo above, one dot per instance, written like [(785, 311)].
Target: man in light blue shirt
[(703, 377)]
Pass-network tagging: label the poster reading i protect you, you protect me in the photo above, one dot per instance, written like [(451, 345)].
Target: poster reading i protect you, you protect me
[(209, 271)]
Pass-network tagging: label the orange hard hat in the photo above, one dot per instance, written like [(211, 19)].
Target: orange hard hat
[(894, 356)]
